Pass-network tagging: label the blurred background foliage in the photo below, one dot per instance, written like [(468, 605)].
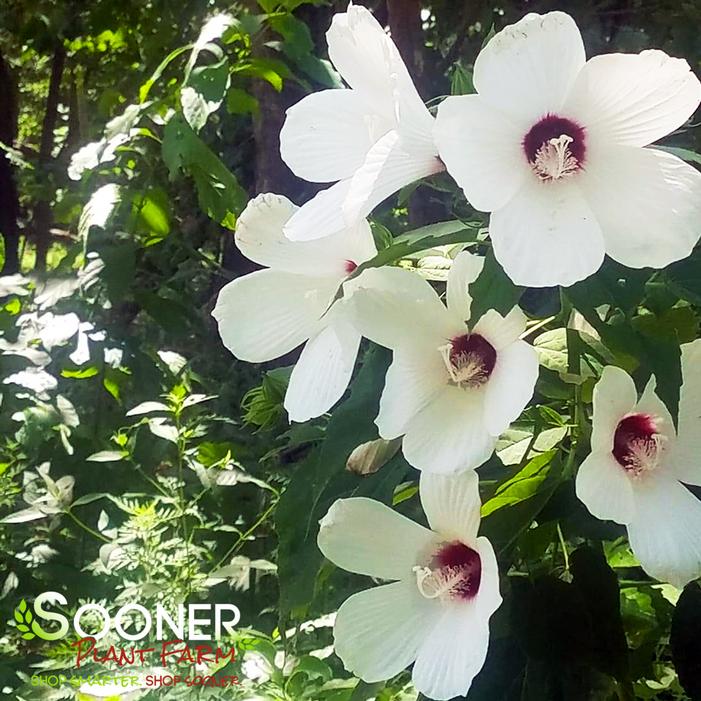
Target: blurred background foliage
[(140, 461)]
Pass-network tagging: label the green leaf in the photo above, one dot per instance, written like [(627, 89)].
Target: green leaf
[(238, 101), (218, 190), (658, 356), (422, 239), (364, 691), (461, 81), (98, 209), (684, 153), (493, 289), (598, 587), (146, 87), (504, 526), (107, 456), (153, 212), (147, 408), (685, 640), (298, 39), (684, 279), (323, 478), (271, 70), (574, 355), (81, 373), (522, 485), (203, 92)]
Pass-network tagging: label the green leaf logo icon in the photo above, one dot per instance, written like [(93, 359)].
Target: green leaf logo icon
[(24, 618)]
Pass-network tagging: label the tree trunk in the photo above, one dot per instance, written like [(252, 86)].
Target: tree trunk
[(9, 197), (405, 26), (42, 210)]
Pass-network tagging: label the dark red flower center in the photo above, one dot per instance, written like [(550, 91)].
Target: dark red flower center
[(455, 572), (555, 147), (470, 359), (349, 266), (636, 442)]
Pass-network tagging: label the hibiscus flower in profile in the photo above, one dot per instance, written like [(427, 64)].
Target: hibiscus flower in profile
[(373, 138), (268, 313), (445, 587), (637, 467), (557, 149), (453, 387)]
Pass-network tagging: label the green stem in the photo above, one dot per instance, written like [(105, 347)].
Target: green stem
[(87, 528), (245, 536), (563, 545)]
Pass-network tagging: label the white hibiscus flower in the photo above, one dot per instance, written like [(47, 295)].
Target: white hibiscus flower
[(452, 388), (373, 138), (638, 462), (436, 612), (268, 313), (553, 147)]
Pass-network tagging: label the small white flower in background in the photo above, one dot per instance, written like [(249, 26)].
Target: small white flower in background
[(553, 146), (452, 388), (373, 138), (638, 462), (270, 312), (436, 612)]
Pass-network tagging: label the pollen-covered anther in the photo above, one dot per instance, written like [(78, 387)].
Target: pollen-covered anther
[(442, 583), (469, 360), (554, 160), (454, 573), (638, 444)]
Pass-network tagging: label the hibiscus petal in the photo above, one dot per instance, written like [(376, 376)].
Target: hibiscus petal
[(547, 235), (603, 486), (448, 435), (367, 58), (665, 534), (634, 100), (452, 504), (685, 460), (367, 537), (465, 269), (651, 404), (392, 162), (268, 313), (327, 135), (488, 597), (452, 653), (321, 216), (259, 236), (528, 68), (510, 386), (378, 631), (614, 397), (412, 380), (323, 370), (501, 331), (381, 299), (481, 148), (647, 202)]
